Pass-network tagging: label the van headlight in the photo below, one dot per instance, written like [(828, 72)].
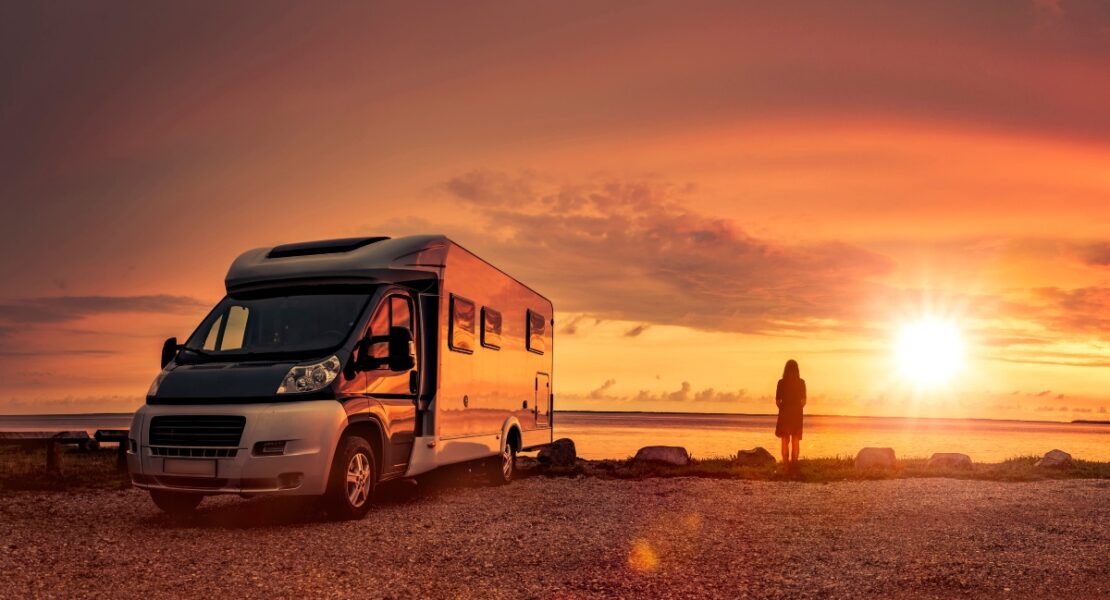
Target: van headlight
[(309, 378)]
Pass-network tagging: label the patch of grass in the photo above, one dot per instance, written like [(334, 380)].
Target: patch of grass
[(25, 469)]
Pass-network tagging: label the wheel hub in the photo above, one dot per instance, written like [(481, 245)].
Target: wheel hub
[(358, 480)]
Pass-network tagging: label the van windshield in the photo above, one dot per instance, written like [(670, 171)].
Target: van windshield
[(285, 323)]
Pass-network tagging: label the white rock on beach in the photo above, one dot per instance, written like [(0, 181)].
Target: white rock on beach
[(950, 460), (1055, 459), (875, 458), (756, 457), (671, 455)]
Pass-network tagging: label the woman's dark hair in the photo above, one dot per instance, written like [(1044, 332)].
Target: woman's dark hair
[(790, 371)]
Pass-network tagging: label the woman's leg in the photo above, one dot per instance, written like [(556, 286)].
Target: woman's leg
[(797, 442), (785, 449)]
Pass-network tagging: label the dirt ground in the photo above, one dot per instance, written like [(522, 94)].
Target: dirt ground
[(576, 538)]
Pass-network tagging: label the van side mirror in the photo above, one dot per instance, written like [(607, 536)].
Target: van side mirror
[(399, 357), (400, 349), (169, 351)]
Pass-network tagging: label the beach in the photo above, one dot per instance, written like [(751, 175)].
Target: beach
[(577, 537)]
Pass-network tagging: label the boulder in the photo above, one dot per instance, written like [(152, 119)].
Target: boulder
[(756, 457), (560, 453), (949, 460), (671, 455), (875, 458), (1055, 459)]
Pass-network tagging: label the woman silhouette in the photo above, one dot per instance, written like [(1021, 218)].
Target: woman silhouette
[(790, 397)]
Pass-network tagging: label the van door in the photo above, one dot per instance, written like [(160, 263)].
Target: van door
[(543, 400), (394, 391)]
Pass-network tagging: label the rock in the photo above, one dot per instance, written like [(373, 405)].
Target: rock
[(671, 455), (875, 458), (756, 457), (949, 460), (560, 453), (1056, 459)]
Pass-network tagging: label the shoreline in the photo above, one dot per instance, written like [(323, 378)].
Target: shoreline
[(24, 471), (127, 415)]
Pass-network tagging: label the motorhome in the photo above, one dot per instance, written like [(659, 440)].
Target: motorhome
[(332, 366)]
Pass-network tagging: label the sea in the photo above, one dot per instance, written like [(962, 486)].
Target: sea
[(617, 435)]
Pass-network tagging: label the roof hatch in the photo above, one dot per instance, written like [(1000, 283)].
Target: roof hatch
[(322, 247)]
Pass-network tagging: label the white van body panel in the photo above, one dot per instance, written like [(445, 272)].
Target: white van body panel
[(311, 430)]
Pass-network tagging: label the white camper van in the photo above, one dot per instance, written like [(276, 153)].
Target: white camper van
[(332, 366)]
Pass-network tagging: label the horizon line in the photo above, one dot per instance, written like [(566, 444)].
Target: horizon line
[(676, 413)]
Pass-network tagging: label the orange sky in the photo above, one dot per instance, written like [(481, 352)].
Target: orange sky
[(704, 189)]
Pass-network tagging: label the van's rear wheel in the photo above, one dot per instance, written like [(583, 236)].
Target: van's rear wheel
[(176, 503), (502, 469), (352, 480)]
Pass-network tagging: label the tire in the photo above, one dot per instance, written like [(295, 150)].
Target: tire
[(352, 481), (502, 468), (176, 503)]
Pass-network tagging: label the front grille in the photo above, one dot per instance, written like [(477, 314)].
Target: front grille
[(194, 452), (196, 430)]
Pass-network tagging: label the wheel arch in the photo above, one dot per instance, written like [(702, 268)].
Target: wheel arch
[(368, 428), (511, 434)]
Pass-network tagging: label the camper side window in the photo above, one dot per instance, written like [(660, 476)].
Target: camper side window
[(461, 336), (491, 328), (537, 327)]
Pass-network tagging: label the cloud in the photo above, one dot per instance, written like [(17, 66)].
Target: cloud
[(637, 330), (1082, 310), (60, 309), (686, 394), (92, 352), (1097, 254), (599, 393), (632, 250)]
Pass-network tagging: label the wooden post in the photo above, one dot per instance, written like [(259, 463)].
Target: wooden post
[(53, 457), (121, 456)]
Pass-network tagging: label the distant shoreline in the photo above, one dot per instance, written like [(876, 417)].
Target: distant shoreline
[(729, 414), (92, 415)]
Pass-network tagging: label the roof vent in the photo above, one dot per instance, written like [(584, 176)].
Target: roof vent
[(322, 247)]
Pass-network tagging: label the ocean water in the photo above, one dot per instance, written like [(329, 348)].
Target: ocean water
[(619, 435)]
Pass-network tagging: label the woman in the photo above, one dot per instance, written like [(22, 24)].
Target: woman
[(790, 397)]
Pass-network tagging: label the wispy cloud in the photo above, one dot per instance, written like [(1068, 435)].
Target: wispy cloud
[(633, 250), (60, 309)]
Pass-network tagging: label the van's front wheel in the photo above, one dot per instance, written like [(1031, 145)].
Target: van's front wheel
[(502, 469), (175, 503), (351, 484)]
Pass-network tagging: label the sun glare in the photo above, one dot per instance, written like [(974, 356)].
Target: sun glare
[(930, 352)]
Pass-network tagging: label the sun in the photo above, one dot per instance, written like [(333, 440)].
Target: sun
[(930, 352)]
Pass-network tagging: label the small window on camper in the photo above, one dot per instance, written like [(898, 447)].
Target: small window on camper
[(537, 327), (461, 337), (491, 328)]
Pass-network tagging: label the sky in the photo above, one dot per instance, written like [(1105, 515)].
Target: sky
[(704, 189)]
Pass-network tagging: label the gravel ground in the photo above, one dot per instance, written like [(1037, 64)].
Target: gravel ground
[(574, 538)]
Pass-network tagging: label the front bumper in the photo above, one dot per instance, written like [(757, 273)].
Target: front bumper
[(311, 430)]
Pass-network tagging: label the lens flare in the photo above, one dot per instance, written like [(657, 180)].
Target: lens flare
[(643, 558)]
